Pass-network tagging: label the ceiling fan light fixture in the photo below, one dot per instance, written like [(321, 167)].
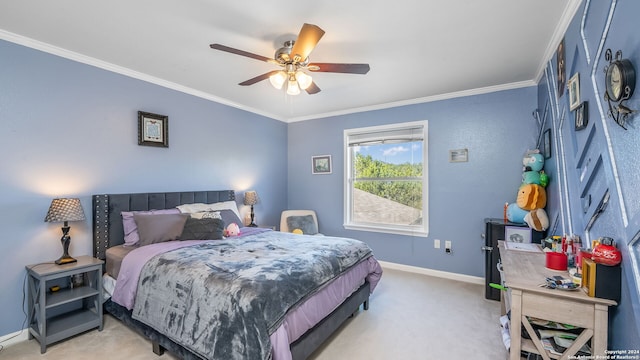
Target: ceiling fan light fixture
[(293, 88), (278, 79), (304, 80)]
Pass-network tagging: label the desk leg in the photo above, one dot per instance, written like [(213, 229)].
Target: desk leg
[(515, 328), (601, 323)]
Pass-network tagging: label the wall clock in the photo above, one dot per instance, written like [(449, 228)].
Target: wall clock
[(620, 81)]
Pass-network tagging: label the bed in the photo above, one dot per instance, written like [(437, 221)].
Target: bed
[(311, 304)]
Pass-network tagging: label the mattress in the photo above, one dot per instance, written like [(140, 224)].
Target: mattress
[(115, 255)]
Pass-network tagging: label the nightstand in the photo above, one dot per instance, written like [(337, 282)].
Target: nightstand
[(74, 308)]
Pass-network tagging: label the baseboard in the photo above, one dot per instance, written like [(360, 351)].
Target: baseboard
[(14, 338), (431, 272)]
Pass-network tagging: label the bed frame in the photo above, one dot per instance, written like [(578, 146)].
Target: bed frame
[(108, 231)]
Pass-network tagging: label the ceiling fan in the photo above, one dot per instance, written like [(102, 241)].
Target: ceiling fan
[(293, 58)]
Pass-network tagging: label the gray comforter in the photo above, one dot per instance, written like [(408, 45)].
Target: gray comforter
[(222, 299)]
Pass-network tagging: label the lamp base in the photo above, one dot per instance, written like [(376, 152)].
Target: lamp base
[(65, 260), (252, 225)]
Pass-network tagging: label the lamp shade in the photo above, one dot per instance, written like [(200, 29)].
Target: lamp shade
[(250, 198), (303, 79), (278, 79), (65, 209)]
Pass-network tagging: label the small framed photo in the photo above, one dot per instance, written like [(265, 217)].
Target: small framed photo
[(517, 234), (561, 68), (459, 155), (546, 144), (153, 129), (582, 116), (574, 91), (321, 164)]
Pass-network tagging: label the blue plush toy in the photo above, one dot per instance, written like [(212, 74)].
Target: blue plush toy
[(531, 177), (533, 160), (515, 214)]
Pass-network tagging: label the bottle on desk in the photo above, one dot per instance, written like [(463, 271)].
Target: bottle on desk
[(569, 252)]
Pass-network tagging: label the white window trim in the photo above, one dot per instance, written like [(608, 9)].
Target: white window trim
[(422, 230)]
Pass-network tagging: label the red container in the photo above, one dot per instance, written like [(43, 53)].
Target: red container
[(606, 253), (556, 261)]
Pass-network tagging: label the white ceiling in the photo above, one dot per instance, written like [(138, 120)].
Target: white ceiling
[(418, 50)]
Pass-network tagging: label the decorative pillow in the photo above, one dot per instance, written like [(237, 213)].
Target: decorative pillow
[(159, 228), (229, 217), (304, 223), (207, 215), (202, 229), (200, 207), (131, 229), (193, 208)]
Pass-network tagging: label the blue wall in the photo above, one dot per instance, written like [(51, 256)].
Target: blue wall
[(603, 142), (497, 129), (68, 129)]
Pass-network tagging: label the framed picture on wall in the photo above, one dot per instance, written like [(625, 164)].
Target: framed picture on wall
[(546, 144), (582, 116), (153, 129), (560, 68), (574, 91), (459, 155), (321, 164), (517, 234)]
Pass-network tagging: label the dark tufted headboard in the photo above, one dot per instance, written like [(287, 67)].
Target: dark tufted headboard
[(107, 222)]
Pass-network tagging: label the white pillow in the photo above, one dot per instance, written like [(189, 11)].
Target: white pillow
[(200, 207), (193, 208)]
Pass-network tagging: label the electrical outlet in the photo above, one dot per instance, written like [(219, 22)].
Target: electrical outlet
[(436, 244), (447, 246)]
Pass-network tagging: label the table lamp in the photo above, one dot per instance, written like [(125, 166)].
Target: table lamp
[(65, 210), (251, 198)]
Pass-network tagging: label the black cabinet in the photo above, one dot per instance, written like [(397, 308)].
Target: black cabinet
[(494, 231)]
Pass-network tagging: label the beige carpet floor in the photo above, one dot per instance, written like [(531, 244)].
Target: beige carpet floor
[(411, 316)]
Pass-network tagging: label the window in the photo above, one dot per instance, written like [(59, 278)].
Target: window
[(386, 179)]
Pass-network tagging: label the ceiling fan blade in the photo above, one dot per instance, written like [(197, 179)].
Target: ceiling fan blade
[(339, 68), (258, 78), (305, 43), (240, 52), (312, 89)]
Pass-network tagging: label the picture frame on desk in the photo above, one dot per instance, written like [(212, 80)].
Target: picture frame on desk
[(517, 234)]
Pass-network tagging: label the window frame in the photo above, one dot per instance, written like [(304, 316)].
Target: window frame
[(411, 230)]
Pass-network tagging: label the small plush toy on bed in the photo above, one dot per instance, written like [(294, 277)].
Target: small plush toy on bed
[(232, 230)]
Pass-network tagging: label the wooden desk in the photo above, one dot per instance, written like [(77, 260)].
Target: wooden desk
[(523, 273)]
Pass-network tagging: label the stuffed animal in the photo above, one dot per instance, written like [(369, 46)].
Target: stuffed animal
[(544, 179), (531, 177), (531, 197), (232, 230), (537, 219), (533, 160), (516, 214)]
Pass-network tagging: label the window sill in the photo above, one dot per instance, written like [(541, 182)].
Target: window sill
[(386, 229)]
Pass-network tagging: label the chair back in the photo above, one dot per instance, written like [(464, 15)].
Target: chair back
[(287, 213)]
